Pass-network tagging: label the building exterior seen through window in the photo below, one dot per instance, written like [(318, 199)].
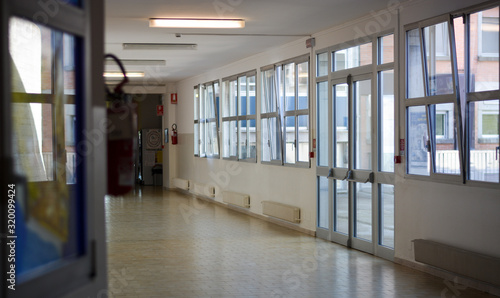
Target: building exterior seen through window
[(452, 107)]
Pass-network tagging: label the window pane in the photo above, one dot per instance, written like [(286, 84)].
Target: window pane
[(266, 139), (362, 97), (233, 97), (414, 76), (447, 155), (387, 213), (202, 102), (386, 49), (323, 202), (386, 121), (290, 149), (210, 102), (31, 52), (352, 57), (226, 133), (303, 81), (303, 149), (363, 203), (341, 138), (213, 138), (242, 96), (322, 64), (271, 146), (233, 138), (268, 102), (484, 162), (69, 64), (203, 145), (251, 109), (196, 139), (242, 140), (226, 98), (251, 139), (417, 141), (290, 87), (280, 82), (323, 131), (484, 34), (70, 139), (437, 53), (341, 206), (196, 104)]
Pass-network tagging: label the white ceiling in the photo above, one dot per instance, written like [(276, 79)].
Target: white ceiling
[(269, 23)]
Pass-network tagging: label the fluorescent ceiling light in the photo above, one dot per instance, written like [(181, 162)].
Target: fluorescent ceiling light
[(117, 74), (160, 46), (137, 62), (196, 23)]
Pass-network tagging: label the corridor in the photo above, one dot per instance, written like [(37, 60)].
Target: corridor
[(166, 244)]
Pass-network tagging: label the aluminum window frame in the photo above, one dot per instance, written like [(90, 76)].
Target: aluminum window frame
[(205, 114), (429, 100), (281, 113), (238, 117)]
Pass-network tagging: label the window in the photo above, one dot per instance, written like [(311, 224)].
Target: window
[(206, 120), (432, 132), (285, 112), (352, 57), (488, 33), (270, 119), (239, 117), (452, 107)]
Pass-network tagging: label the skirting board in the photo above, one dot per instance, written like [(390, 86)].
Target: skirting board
[(248, 212), (450, 276)]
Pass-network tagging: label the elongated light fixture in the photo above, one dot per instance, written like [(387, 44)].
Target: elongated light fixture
[(118, 74), (160, 46), (196, 23)]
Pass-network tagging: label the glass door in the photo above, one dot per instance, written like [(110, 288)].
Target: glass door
[(355, 143)]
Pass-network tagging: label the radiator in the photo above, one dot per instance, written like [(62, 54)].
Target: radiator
[(456, 260), (281, 211), (237, 199), (203, 190), (180, 183)]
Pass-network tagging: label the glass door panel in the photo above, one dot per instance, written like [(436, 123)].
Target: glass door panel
[(363, 206), (341, 122), (386, 196), (341, 207), (323, 203), (362, 107)]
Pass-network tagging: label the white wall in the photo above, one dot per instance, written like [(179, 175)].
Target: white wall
[(290, 185), (459, 215)]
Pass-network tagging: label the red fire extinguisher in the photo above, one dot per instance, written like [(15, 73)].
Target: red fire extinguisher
[(174, 134), (121, 133)]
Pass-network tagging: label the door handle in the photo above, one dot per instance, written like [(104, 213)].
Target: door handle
[(497, 151), (348, 176)]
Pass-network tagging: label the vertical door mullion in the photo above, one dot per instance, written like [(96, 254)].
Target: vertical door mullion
[(374, 140), (351, 148)]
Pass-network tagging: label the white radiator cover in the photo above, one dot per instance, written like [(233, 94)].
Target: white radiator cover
[(203, 190), (181, 183), (281, 211), (237, 199)]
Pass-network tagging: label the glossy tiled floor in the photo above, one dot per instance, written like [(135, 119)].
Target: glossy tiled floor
[(165, 244)]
